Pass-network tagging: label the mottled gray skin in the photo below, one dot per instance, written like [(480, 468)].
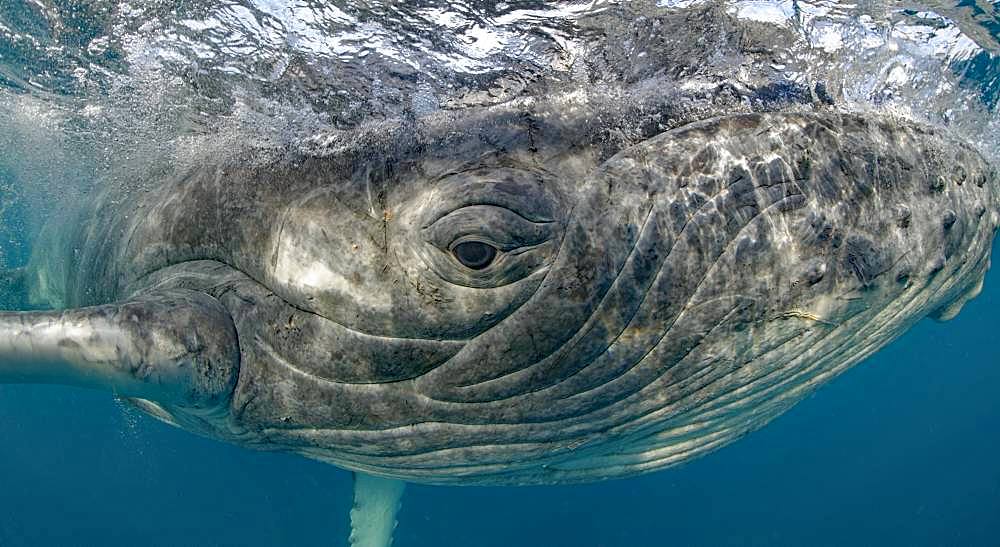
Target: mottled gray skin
[(663, 287)]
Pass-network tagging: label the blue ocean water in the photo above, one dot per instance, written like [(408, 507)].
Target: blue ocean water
[(901, 450)]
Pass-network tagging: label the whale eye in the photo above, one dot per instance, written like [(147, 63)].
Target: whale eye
[(474, 255), (487, 246)]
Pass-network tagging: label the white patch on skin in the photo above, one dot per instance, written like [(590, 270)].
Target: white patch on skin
[(299, 267), (778, 13), (828, 37)]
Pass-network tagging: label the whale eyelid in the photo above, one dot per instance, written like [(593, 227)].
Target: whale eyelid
[(498, 227), (443, 214)]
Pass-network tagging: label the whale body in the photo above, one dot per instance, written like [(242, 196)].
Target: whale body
[(519, 294)]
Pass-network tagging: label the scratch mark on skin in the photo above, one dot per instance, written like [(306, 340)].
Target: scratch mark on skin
[(802, 314), (386, 217), (279, 240)]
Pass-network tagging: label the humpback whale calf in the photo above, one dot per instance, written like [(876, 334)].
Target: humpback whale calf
[(547, 291)]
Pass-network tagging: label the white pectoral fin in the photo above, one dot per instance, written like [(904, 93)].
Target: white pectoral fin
[(376, 504)]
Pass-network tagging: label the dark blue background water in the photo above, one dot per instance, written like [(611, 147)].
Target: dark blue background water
[(902, 450)]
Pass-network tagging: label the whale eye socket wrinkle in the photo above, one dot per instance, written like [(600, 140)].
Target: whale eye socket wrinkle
[(474, 255)]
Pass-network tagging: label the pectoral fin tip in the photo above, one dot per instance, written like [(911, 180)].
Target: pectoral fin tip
[(376, 505)]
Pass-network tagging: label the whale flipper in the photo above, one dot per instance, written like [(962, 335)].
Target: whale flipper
[(373, 517), (176, 347)]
